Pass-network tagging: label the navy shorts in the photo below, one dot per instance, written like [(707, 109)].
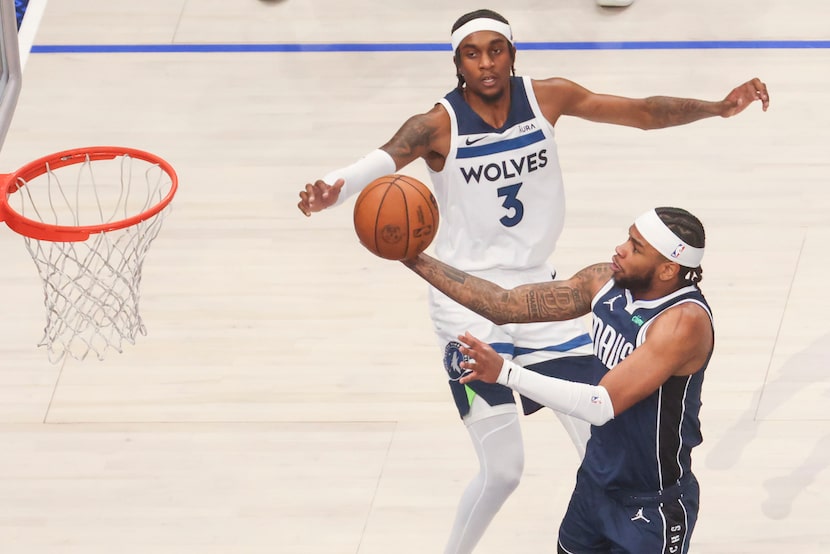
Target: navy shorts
[(581, 369), (600, 522)]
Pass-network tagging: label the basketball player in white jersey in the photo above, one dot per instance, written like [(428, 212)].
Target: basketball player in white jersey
[(489, 146)]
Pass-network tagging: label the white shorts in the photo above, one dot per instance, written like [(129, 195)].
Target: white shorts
[(526, 343), (565, 346)]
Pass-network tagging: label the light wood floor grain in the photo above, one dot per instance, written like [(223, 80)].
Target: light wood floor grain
[(289, 395)]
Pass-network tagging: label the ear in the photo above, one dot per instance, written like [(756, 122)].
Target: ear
[(668, 271)]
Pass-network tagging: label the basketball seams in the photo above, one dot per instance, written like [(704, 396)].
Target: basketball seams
[(426, 197), (405, 200), (391, 219), (377, 228), (364, 197)]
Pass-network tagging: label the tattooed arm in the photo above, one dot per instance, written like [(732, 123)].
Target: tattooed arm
[(559, 96), (548, 301), (424, 136)]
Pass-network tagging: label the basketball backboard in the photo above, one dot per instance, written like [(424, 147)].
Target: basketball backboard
[(10, 71)]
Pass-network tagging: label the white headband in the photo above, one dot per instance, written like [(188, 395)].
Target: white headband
[(480, 24), (666, 242)]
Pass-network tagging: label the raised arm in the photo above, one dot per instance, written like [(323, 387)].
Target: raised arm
[(424, 135), (559, 96), (547, 301)]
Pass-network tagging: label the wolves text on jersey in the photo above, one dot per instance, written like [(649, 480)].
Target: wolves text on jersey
[(506, 169)]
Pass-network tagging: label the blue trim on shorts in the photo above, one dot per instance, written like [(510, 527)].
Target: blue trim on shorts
[(508, 348), (581, 368)]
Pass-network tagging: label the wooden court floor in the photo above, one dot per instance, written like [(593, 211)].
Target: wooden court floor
[(289, 395)]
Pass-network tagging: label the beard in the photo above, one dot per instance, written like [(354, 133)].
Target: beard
[(636, 283)]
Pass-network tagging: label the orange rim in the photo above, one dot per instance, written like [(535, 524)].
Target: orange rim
[(67, 233)]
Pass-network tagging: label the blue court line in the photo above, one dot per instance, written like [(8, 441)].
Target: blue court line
[(423, 47)]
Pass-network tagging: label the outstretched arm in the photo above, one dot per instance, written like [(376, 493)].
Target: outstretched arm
[(419, 137), (562, 97), (548, 301), (678, 343)]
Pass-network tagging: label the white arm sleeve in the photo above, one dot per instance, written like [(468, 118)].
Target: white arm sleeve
[(375, 164), (587, 402)]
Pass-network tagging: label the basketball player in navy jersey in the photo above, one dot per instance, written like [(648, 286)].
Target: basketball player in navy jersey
[(490, 149), (652, 339)]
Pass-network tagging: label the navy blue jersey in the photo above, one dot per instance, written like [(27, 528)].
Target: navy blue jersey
[(647, 447), (470, 123)]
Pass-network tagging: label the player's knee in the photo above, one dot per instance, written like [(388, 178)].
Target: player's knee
[(507, 482), (505, 472)]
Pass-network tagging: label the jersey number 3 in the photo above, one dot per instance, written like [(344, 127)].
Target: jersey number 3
[(510, 194)]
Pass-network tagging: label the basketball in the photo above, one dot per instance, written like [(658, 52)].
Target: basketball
[(396, 217)]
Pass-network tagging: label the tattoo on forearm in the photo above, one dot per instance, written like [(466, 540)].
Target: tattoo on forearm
[(549, 301), (533, 304), (668, 111), (455, 275), (561, 302), (477, 294)]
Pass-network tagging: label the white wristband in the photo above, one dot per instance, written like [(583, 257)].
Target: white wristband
[(587, 402), (374, 165)]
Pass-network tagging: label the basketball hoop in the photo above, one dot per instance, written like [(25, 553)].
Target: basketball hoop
[(88, 217)]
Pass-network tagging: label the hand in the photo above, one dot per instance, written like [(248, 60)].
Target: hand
[(744, 95), (319, 196), (484, 364)]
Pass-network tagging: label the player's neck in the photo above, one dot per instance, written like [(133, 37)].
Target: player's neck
[(493, 110), (655, 291)]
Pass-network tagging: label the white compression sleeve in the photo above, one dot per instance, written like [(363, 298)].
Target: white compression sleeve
[(587, 402), (373, 165)]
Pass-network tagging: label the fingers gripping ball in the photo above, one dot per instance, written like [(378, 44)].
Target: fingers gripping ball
[(396, 217)]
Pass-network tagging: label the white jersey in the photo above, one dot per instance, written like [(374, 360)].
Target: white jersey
[(500, 192), (502, 206)]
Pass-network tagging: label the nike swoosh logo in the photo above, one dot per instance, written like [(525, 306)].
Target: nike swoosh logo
[(470, 142)]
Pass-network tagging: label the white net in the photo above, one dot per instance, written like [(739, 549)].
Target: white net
[(91, 287)]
